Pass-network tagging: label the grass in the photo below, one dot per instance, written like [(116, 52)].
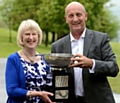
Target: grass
[(115, 82), (10, 47)]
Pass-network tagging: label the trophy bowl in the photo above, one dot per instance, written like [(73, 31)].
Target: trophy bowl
[(58, 59)]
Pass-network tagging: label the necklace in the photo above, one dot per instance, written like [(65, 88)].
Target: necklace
[(31, 60)]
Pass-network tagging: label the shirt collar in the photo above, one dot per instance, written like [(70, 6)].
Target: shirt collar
[(82, 36)]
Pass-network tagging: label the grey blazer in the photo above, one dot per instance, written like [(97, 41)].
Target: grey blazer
[(97, 47)]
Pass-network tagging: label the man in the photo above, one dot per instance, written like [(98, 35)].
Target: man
[(95, 57)]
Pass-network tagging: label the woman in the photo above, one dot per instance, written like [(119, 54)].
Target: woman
[(26, 74)]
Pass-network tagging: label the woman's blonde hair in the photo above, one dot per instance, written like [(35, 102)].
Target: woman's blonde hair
[(28, 24)]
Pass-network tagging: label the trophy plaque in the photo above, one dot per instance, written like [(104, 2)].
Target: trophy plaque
[(61, 85)]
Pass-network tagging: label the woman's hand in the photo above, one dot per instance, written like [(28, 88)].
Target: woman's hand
[(42, 94), (45, 96)]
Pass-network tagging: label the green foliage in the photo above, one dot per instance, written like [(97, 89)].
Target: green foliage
[(50, 15), (53, 16), (15, 11)]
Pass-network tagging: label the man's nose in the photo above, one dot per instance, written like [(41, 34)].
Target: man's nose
[(75, 18)]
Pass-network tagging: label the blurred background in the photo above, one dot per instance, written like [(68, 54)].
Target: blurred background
[(103, 15)]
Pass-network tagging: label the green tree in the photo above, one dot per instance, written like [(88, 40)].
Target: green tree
[(6, 13), (14, 11), (50, 16)]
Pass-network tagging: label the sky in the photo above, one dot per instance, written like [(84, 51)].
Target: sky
[(115, 9)]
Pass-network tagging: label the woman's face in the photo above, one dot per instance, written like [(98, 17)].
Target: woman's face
[(30, 38)]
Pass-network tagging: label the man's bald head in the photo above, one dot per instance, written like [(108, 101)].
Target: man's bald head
[(74, 4)]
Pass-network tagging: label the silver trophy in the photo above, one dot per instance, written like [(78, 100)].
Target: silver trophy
[(61, 78)]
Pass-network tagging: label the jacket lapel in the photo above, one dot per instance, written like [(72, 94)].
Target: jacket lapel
[(87, 41), (67, 45)]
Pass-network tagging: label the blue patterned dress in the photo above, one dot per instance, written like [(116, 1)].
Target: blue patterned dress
[(38, 76)]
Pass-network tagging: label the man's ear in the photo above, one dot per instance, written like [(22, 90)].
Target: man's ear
[(65, 19), (86, 16)]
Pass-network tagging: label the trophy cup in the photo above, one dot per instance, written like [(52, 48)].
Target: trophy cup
[(61, 78)]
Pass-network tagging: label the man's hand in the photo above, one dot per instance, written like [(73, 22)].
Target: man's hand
[(81, 61)]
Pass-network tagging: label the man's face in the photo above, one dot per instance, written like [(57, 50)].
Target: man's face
[(76, 17)]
